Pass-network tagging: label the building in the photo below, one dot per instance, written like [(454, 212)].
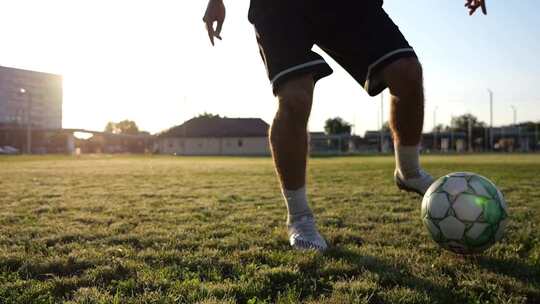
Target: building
[(372, 142), (515, 138), (30, 98), (215, 136)]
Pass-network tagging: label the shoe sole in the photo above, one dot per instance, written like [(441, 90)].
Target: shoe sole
[(406, 188), (316, 249), (302, 245)]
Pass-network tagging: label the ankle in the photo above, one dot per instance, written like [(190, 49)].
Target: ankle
[(297, 204), (407, 161), (291, 219)]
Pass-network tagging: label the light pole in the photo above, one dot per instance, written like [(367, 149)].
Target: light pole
[(381, 139), (451, 132), (514, 109), (536, 136), (28, 118), (469, 134), (435, 130), (490, 119)]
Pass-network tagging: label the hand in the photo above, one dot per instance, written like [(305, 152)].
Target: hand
[(215, 12), (472, 5)]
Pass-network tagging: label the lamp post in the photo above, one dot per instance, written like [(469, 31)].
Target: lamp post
[(381, 137), (28, 118), (451, 132), (536, 136), (490, 119), (469, 134), (435, 130), (514, 109)]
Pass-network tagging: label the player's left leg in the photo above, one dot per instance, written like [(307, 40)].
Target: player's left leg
[(365, 41), (405, 82)]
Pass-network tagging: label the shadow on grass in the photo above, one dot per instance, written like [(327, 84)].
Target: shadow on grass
[(510, 267), (397, 275)]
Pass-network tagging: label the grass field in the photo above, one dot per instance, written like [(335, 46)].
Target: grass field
[(127, 229)]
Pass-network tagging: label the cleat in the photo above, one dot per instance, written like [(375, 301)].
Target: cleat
[(417, 185), (303, 235)]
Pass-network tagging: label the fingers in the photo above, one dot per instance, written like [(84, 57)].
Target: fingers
[(484, 8), (472, 10), (210, 30), (217, 33), (473, 5)]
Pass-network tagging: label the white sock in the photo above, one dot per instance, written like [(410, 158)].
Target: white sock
[(407, 161), (297, 204)]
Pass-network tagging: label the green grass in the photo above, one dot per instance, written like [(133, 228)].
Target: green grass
[(183, 230)]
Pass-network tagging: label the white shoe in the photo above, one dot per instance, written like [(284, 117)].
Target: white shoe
[(303, 235), (419, 184)]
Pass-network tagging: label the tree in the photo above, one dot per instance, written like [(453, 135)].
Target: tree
[(461, 122), (208, 115), (110, 127), (122, 127), (529, 126), (337, 126), (386, 126)]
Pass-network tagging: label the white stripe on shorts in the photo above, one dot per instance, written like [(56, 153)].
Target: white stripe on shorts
[(297, 67)]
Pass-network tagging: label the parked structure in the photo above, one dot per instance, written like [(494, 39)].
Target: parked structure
[(446, 141), (515, 138), (216, 136), (29, 98), (321, 143)]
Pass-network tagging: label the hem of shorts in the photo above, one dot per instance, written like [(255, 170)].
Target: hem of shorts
[(379, 64), (320, 70), (297, 67)]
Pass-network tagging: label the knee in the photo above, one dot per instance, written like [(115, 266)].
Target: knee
[(405, 78), (295, 98)]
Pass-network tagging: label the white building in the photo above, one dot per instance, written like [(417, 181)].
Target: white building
[(30, 98), (216, 136)]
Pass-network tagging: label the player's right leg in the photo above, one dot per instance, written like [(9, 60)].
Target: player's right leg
[(289, 142), (285, 41)]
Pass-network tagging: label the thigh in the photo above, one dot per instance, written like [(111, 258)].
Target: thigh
[(364, 40), (285, 39)]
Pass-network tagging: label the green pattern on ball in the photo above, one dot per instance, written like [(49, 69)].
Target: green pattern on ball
[(492, 212), (484, 239), (490, 188)]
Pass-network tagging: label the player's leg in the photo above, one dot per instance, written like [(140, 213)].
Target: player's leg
[(285, 42), (289, 142), (288, 134), (378, 56), (405, 83)]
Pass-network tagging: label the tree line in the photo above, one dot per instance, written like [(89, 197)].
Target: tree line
[(338, 126)]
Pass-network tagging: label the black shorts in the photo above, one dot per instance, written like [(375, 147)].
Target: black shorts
[(358, 34)]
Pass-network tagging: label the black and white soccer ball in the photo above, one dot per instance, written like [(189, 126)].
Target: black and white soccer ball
[(464, 212)]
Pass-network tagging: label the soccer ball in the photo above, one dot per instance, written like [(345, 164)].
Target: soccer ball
[(464, 212)]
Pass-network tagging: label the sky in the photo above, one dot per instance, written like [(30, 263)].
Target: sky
[(151, 61)]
